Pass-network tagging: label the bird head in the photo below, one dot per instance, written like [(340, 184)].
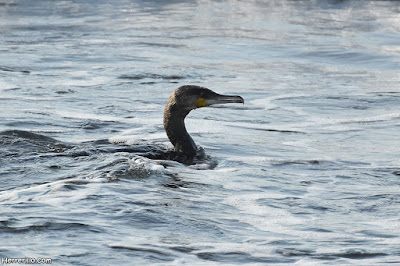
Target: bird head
[(182, 101), (190, 97)]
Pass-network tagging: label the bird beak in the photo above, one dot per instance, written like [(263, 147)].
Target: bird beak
[(222, 99)]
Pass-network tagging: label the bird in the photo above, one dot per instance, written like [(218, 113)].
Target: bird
[(183, 100)]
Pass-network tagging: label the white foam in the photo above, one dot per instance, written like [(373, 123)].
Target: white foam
[(83, 79), (341, 124), (8, 196), (91, 116), (304, 143), (139, 135), (150, 165), (58, 196), (267, 103), (48, 130), (53, 193), (4, 85), (141, 166), (260, 160), (255, 214), (382, 117), (273, 219), (204, 126)]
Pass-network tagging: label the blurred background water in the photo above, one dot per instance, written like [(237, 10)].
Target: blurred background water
[(308, 169)]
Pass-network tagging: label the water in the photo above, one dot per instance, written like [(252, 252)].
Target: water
[(308, 169)]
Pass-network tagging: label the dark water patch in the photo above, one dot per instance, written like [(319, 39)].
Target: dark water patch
[(279, 242), (26, 205), (143, 219), (13, 89), (76, 152), (343, 177), (166, 45), (174, 185), (261, 129), (55, 166), (376, 197), (24, 141), (303, 162), (9, 69), (387, 93), (373, 233), (183, 249), (93, 125), (27, 135), (8, 222), (356, 254), (237, 257), (294, 252), (77, 182), (320, 209), (62, 92), (10, 253), (7, 4), (67, 28), (349, 254), (320, 230), (145, 252), (152, 76), (5, 228), (378, 203), (385, 175), (141, 203), (70, 187), (28, 124), (352, 242), (42, 114), (280, 131), (175, 182)]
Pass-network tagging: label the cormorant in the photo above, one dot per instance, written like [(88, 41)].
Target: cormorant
[(183, 100)]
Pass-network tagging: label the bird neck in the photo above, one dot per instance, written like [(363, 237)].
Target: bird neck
[(174, 124)]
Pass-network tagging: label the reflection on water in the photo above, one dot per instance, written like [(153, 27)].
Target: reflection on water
[(307, 169)]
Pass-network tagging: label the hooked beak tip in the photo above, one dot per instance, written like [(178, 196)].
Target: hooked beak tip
[(222, 99)]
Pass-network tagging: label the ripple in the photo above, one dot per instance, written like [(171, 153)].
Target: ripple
[(152, 76), (237, 257), (57, 226), (136, 250), (9, 69), (350, 254)]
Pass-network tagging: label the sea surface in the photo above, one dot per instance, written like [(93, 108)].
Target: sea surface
[(307, 170)]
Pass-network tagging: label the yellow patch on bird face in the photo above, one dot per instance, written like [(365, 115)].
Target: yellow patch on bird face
[(201, 102)]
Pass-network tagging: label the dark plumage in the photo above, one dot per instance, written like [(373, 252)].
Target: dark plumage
[(180, 103)]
